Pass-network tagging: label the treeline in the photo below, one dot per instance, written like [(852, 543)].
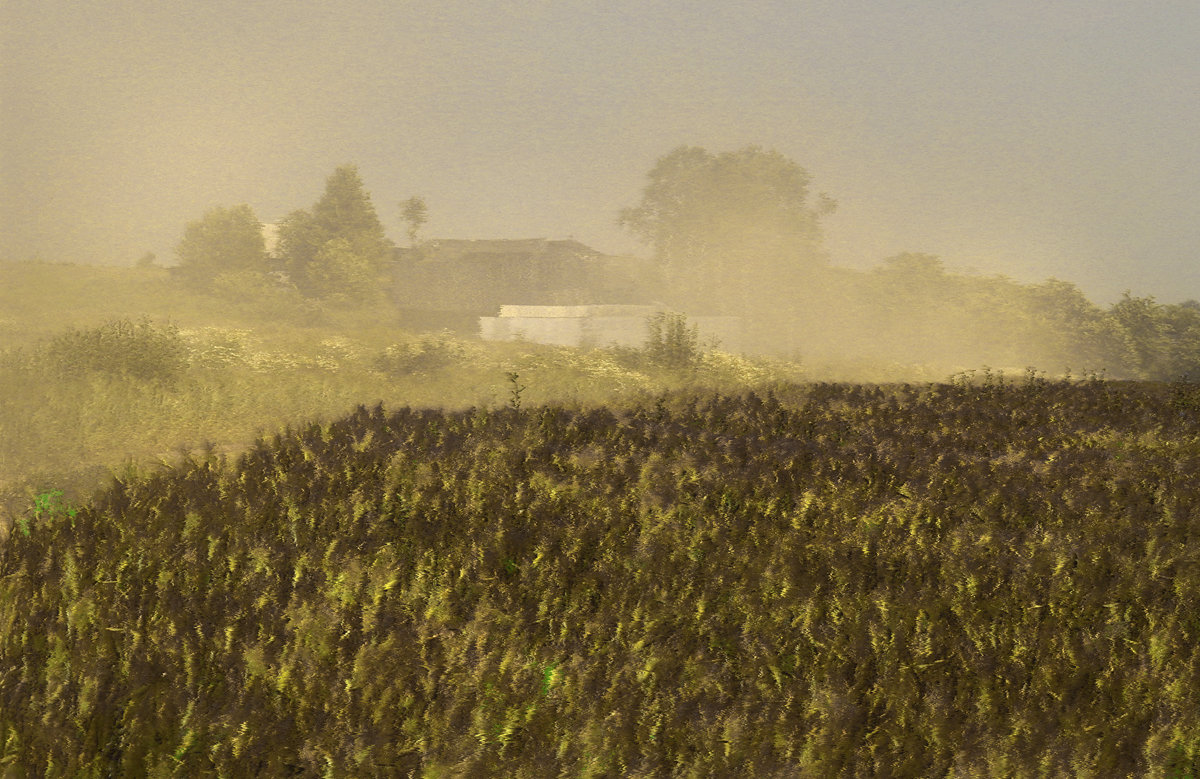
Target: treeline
[(740, 233), (975, 579), (737, 233), (912, 311), (335, 251)]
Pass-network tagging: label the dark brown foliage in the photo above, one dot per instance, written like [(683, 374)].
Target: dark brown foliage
[(941, 580)]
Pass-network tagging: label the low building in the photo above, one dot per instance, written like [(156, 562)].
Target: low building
[(599, 325), (478, 276)]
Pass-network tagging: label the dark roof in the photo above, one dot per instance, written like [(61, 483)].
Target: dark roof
[(481, 275), (453, 248)]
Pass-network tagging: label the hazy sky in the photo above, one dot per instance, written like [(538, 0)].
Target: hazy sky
[(1026, 138)]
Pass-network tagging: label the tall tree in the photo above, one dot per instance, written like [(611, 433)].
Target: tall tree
[(342, 273), (1162, 342), (300, 240), (225, 240), (415, 214), (342, 228), (731, 227)]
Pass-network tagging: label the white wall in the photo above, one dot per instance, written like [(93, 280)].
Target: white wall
[(589, 326)]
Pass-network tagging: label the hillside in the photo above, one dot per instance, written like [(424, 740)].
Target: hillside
[(969, 579), (105, 370)]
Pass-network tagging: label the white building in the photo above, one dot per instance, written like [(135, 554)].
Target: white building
[(598, 325), (270, 233)]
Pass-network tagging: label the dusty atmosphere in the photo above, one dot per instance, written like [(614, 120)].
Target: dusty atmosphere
[(1022, 139), (537, 388)]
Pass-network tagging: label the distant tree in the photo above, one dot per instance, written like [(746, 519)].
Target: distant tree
[(914, 266), (329, 250), (913, 284), (918, 307), (731, 230), (1182, 323), (225, 240), (147, 260), (415, 214), (343, 273), (1071, 329), (1162, 342), (345, 211), (300, 239)]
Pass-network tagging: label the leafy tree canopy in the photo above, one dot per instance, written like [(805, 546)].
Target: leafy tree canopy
[(224, 240), (345, 211), (415, 213), (730, 226), (1161, 341), (342, 229)]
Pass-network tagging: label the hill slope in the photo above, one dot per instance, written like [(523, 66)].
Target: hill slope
[(940, 580)]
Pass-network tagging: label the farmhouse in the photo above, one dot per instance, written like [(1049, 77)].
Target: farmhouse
[(476, 277), (546, 291)]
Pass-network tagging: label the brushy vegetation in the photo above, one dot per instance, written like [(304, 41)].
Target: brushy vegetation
[(981, 578), (141, 352), (671, 342), (86, 386), (429, 352)]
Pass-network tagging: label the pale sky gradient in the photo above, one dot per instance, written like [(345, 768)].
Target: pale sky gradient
[(1031, 139)]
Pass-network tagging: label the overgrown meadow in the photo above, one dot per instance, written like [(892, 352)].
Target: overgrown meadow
[(582, 563), (107, 370)]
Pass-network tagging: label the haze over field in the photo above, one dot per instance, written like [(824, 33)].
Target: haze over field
[(1021, 138)]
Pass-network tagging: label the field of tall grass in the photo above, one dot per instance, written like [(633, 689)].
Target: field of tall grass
[(103, 370), (981, 578), (420, 554)]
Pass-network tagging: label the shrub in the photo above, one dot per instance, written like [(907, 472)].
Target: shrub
[(46, 506), (225, 240), (733, 369), (144, 351), (429, 352), (671, 342)]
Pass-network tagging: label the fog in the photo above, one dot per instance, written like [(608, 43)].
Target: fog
[(976, 156), (1022, 139)]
